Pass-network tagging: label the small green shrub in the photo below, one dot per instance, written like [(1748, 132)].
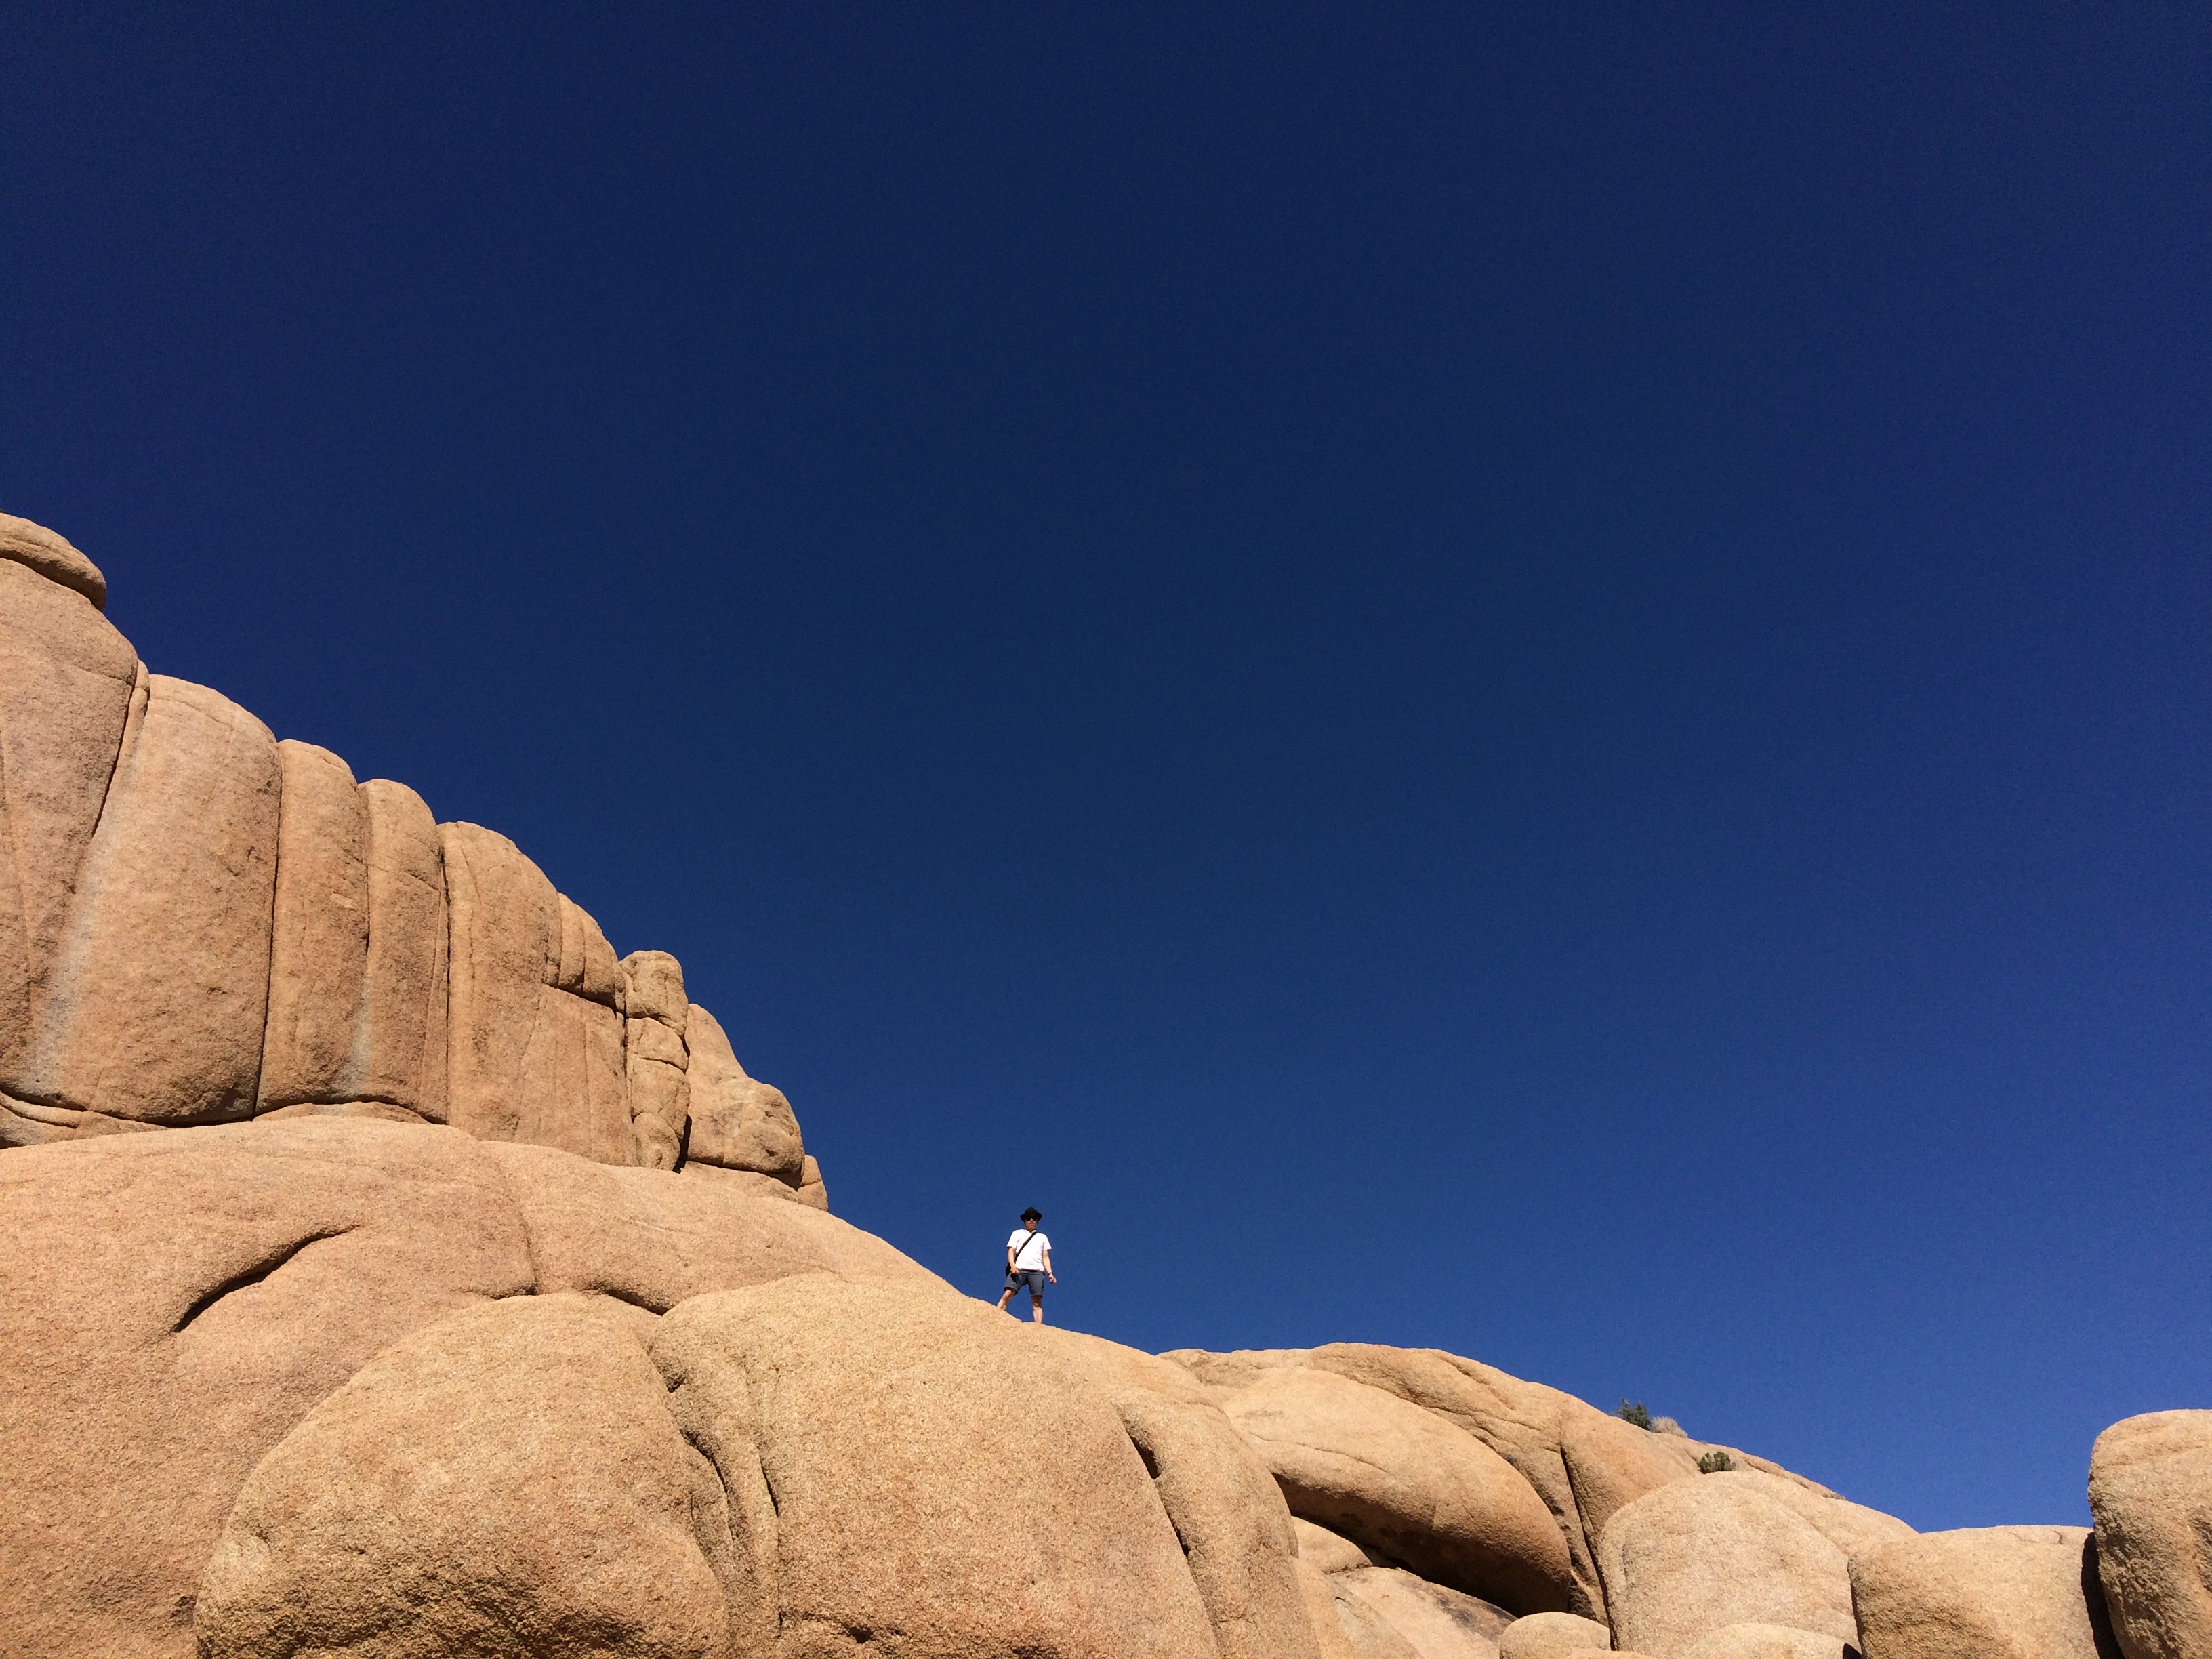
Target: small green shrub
[(1714, 1461), (1634, 1413)]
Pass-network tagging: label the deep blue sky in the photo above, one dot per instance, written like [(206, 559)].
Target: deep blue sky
[(1533, 681)]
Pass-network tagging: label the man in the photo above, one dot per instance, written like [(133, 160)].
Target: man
[(1029, 1261)]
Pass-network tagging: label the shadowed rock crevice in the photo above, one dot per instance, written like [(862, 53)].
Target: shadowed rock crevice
[(260, 1271)]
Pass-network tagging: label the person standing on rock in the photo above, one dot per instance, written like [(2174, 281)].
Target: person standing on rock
[(1029, 1261)]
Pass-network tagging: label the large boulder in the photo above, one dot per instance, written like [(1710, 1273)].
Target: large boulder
[(737, 1122), (318, 950), (34, 547), (172, 1304), (2150, 1494), (1394, 1479), (398, 1054), (1693, 1556), (151, 1009), (906, 1466), (1982, 1592), (66, 682), (527, 1059), (507, 1483), (1432, 1619)]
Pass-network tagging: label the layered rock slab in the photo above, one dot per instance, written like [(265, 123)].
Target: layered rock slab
[(527, 1060), (1435, 1622), (654, 1051), (318, 950), (398, 1054), (198, 925), (357, 972), (152, 1009), (66, 680)]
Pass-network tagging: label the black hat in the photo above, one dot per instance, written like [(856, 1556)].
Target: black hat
[(1032, 1214)]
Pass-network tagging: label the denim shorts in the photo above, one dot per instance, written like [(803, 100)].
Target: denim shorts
[(1032, 1277)]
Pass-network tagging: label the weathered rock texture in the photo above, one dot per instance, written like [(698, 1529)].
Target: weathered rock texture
[(508, 1481), (1528, 1425), (1983, 1593), (849, 1514), (172, 1304), (199, 924), (2150, 1494), (1693, 1556)]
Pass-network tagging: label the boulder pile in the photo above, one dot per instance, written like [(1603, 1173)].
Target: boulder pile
[(472, 1300)]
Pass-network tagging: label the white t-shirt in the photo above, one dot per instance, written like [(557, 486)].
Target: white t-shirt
[(1029, 1249)]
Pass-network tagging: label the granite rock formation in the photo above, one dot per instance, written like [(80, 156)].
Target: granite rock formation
[(200, 924), (472, 1299)]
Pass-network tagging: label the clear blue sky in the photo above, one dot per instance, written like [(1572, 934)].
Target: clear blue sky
[(1529, 680)]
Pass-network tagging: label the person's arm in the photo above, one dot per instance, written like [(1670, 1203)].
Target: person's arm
[(1048, 1265), (1011, 1248)]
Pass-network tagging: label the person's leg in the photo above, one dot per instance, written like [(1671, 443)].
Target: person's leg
[(1005, 1299), (1036, 1301)]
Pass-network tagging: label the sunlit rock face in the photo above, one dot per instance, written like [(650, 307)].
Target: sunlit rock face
[(200, 924)]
